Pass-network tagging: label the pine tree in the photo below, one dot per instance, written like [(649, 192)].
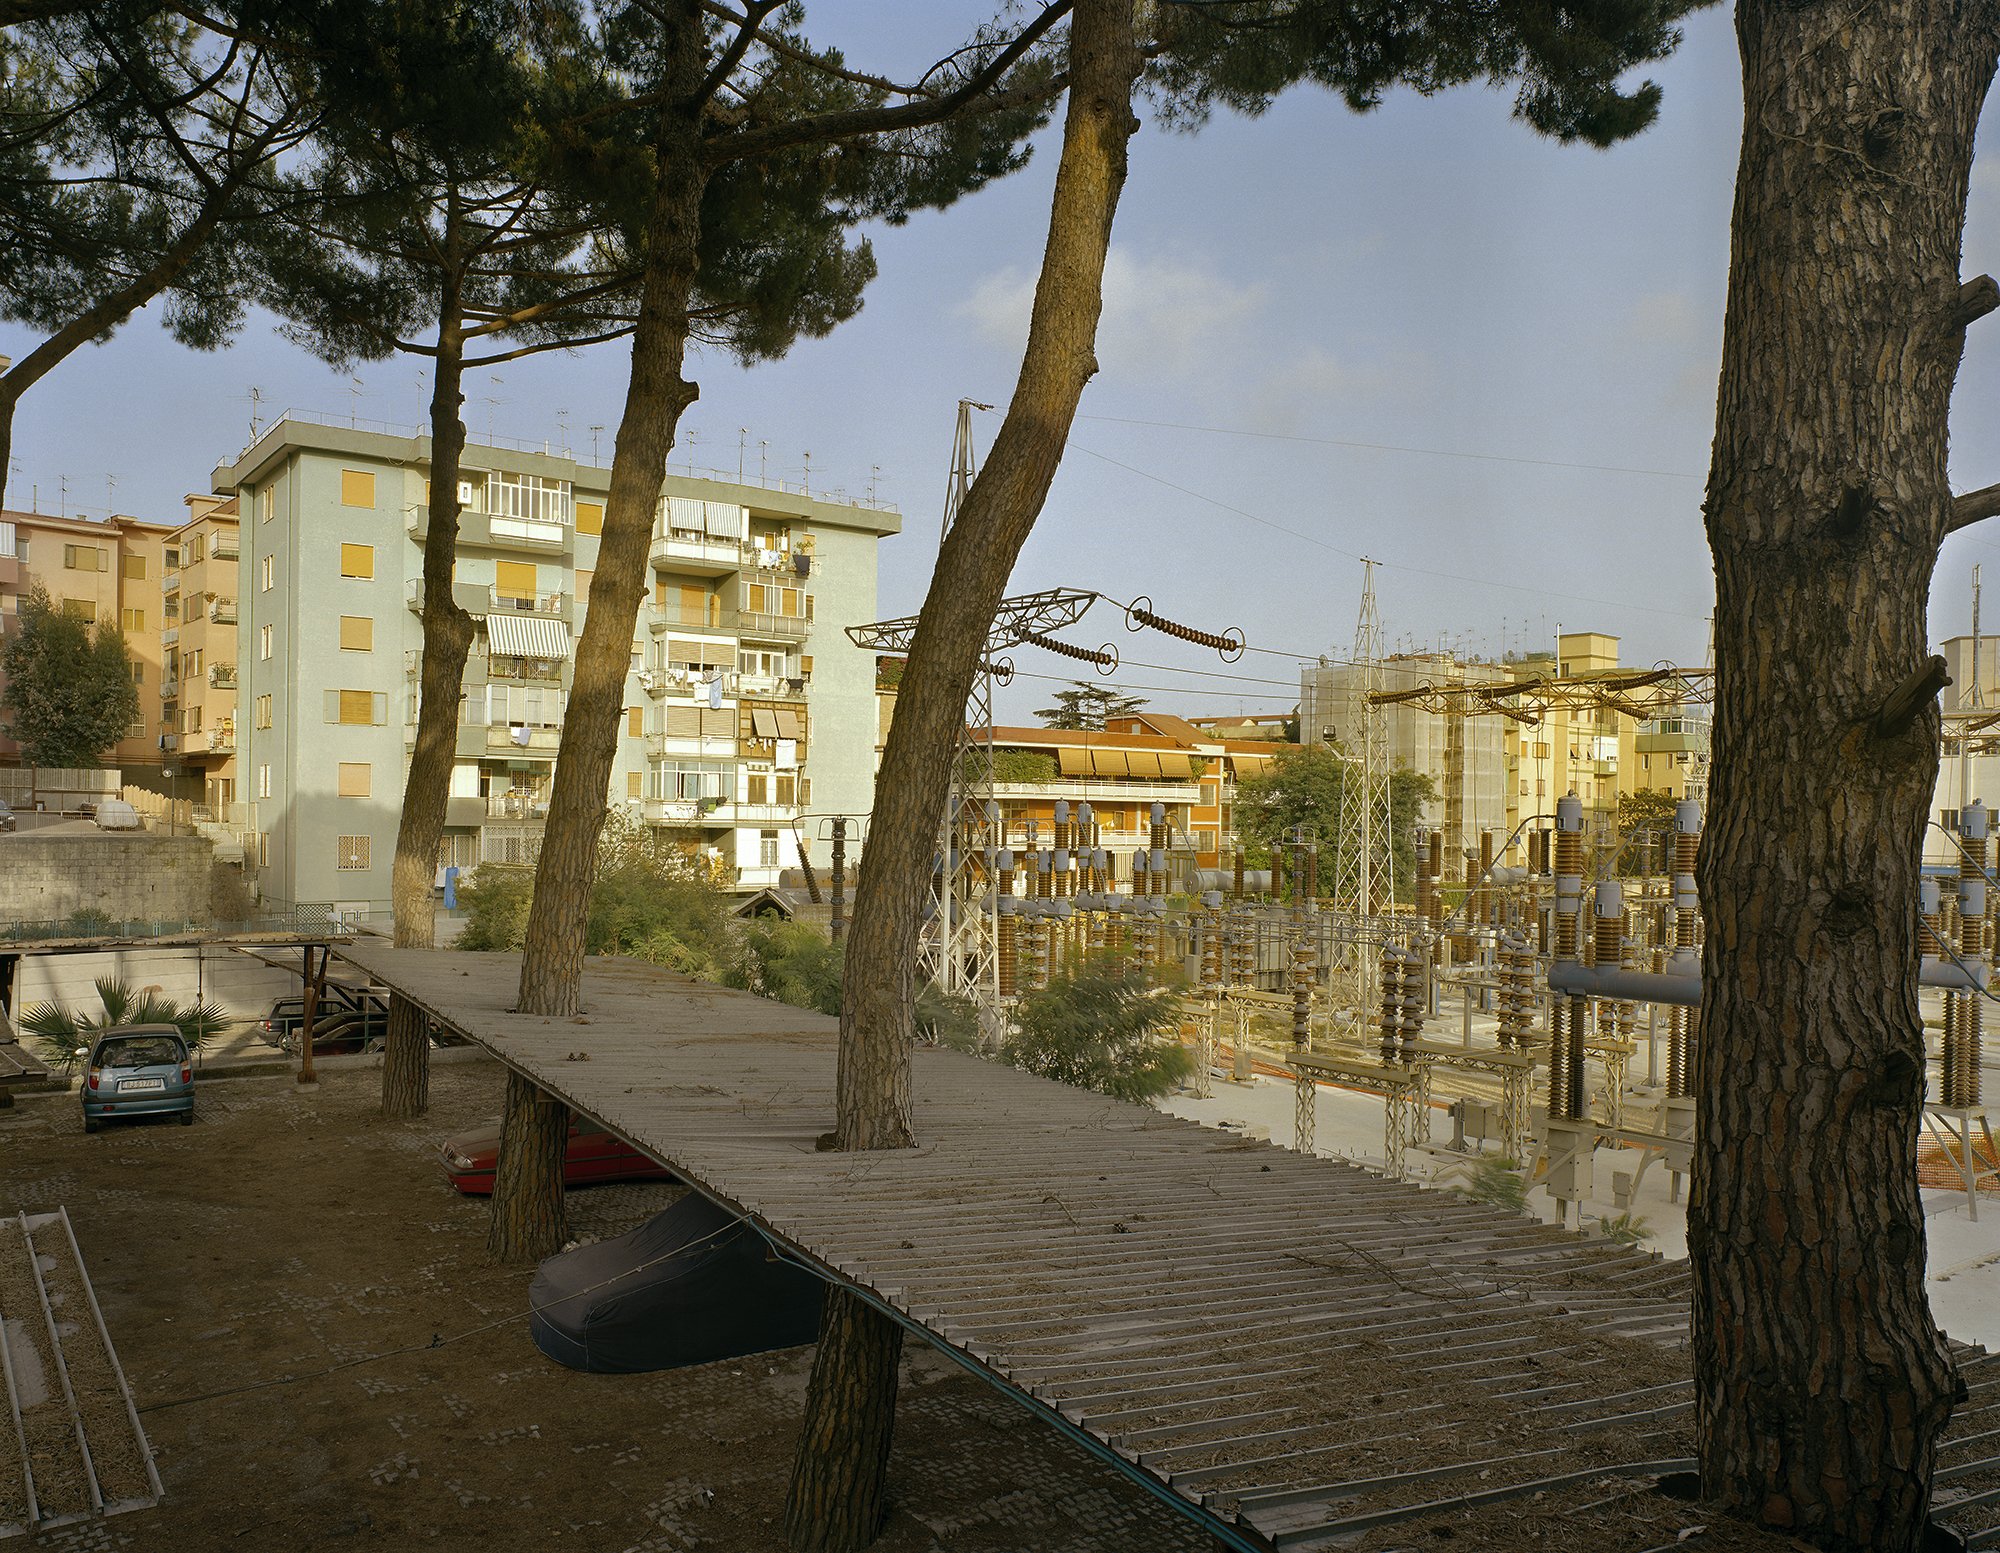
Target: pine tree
[(69, 695), (1085, 705)]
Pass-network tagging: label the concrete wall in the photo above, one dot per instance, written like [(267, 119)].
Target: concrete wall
[(239, 982), (127, 877)]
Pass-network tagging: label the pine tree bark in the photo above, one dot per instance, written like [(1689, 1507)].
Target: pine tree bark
[(1822, 1381), (847, 1434), (528, 1220), (836, 1500), (447, 640), (655, 397)]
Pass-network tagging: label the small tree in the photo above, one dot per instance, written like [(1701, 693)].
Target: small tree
[(1085, 705), (1643, 817), (1316, 789), (1097, 1025), (791, 962), (59, 1031), (69, 694)]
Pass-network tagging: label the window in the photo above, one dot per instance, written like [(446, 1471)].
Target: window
[(82, 609), (263, 641), (784, 785), (589, 520), (357, 708), (138, 673), (263, 716), (197, 547), (632, 781), (357, 489), (758, 787), (514, 579), (132, 568), (263, 849), (351, 854), (634, 721), (86, 558), (357, 560), (356, 777), (173, 556), (767, 848), (264, 781), (267, 503), (132, 621), (357, 633), (267, 573)]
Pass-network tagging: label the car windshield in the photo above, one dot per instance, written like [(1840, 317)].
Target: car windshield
[(140, 1051)]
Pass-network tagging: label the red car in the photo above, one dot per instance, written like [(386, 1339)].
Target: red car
[(594, 1155)]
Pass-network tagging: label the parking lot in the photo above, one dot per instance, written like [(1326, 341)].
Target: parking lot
[(324, 1360)]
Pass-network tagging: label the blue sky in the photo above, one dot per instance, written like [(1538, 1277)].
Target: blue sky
[(1312, 289)]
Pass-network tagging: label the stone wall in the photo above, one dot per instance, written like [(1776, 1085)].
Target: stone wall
[(126, 876)]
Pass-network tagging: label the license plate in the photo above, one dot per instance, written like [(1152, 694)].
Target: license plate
[(141, 1083)]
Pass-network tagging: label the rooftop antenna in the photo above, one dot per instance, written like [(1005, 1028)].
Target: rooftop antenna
[(256, 397), (806, 480), (763, 453), (110, 501), (353, 398), (963, 465), (492, 401), (562, 431), (1976, 701), (62, 496), (742, 446), (874, 478), (593, 443)]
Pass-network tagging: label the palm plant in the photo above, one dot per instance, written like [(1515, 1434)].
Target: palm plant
[(60, 1031)]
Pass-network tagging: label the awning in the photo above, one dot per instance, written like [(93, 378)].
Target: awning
[(788, 724), (1249, 765), (763, 722), (527, 636), (1074, 762)]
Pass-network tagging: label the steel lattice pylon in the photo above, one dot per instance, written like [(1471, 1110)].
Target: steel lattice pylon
[(1364, 877)]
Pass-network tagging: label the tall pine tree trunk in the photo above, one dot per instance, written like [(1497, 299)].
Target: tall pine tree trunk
[(528, 1220), (552, 958), (552, 952), (447, 640), (836, 1498), (1822, 1381)]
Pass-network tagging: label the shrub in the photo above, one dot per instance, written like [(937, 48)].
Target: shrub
[(59, 1031), (790, 962), (1096, 1025), (1497, 1180)]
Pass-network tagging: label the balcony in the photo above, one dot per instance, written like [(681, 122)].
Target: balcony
[(170, 584), (792, 565), (1105, 790), (773, 628), (493, 531), (696, 555), (474, 598), (170, 637), (222, 611), (700, 746), (773, 684), (222, 676), (543, 742), (529, 604), (224, 547), (219, 740), (170, 689), (517, 806), (684, 811), (661, 617)]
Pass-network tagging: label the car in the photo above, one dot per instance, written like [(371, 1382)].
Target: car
[(88, 808), (595, 1154), (337, 997), (115, 814), (7, 820), (137, 1070), (349, 1030)]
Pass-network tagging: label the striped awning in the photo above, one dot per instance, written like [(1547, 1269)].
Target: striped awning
[(527, 636)]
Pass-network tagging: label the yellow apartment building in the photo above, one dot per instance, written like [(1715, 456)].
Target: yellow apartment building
[(198, 610)]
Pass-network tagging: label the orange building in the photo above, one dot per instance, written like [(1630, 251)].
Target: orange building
[(96, 571)]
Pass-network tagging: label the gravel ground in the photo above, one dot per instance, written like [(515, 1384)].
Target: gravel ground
[(324, 1361)]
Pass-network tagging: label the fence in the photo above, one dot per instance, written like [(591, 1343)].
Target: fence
[(57, 789)]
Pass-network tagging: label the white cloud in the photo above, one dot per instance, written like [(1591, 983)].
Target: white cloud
[(1163, 317), (1666, 318), (1286, 395)]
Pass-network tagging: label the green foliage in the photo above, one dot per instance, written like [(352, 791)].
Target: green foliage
[(69, 695), (791, 962), (947, 1019), (1317, 789), (1625, 1229), (1566, 63), (1023, 766), (1497, 1180), (650, 899), (1651, 810), (59, 1031), (1097, 1025), (1086, 705)]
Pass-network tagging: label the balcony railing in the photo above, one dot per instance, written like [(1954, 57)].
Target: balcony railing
[(793, 564), (661, 616), (171, 583), (517, 806), (170, 689), (501, 740), (664, 746), (170, 637), (222, 676), (683, 811), (775, 628), (697, 554), (529, 604), (224, 549), (222, 611)]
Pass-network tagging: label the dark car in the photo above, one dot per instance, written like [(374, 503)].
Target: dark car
[(345, 1031), (138, 1070), (7, 820), (595, 1154), (338, 997)]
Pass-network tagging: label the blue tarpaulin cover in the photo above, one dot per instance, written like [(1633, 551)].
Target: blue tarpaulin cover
[(689, 1286)]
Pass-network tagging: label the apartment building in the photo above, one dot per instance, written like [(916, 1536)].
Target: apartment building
[(1587, 751), (198, 637), (96, 571), (747, 708)]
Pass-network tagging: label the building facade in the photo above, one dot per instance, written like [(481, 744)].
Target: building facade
[(108, 571), (748, 712), (199, 622)]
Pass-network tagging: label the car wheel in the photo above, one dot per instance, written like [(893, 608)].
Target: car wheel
[(91, 1126), (187, 1117)]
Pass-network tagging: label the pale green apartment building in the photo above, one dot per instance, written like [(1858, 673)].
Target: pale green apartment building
[(750, 716)]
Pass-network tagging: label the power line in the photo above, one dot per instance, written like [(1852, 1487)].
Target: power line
[(1394, 447), (1420, 571)]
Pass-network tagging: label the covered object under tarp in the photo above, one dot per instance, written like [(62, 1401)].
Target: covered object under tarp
[(690, 1286)]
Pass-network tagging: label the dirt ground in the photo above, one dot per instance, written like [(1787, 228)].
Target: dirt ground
[(323, 1360)]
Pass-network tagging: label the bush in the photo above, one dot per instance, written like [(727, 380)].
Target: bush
[(790, 962), (1095, 1025), (948, 1019), (59, 1031), (1497, 1180)]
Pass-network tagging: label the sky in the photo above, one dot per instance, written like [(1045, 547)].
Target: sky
[(1423, 335)]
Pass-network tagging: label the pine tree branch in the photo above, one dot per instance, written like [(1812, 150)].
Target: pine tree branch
[(746, 34), (1972, 507), (849, 123), (572, 342), (785, 49)]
